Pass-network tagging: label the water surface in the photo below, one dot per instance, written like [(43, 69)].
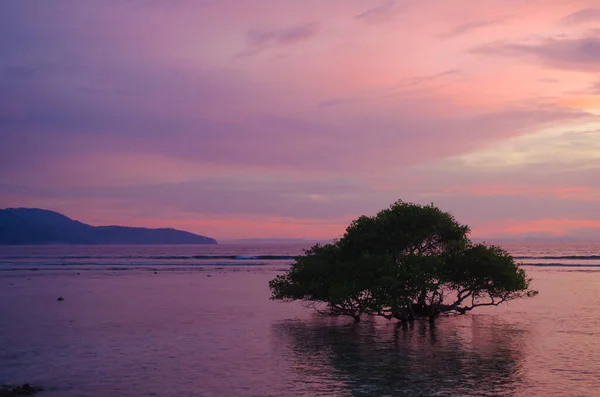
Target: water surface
[(210, 330)]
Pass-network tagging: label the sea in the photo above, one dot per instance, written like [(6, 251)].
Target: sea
[(198, 321)]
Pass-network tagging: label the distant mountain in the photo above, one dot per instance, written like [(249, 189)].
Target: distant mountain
[(21, 226)]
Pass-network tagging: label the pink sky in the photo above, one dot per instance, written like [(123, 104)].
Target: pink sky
[(273, 118)]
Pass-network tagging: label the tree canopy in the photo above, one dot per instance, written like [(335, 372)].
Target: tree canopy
[(407, 262)]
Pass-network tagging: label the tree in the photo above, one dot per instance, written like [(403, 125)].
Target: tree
[(407, 262)]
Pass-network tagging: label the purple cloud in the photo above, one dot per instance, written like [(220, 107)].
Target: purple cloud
[(380, 14), (140, 105), (261, 39), (425, 79), (574, 54), (583, 16), (282, 142), (330, 197)]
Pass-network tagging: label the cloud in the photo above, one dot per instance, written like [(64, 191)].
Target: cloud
[(471, 26), (403, 84), (581, 54), (261, 39), (546, 228), (287, 143), (381, 14), (548, 80), (224, 195), (133, 108), (425, 79), (583, 16), (332, 102), (319, 197)]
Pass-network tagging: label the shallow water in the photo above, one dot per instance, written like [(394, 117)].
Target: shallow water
[(197, 257), (215, 333)]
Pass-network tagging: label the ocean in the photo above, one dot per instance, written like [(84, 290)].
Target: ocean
[(197, 321)]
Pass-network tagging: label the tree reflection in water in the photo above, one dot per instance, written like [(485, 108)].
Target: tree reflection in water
[(461, 356)]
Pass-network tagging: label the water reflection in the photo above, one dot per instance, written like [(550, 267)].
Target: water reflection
[(461, 356)]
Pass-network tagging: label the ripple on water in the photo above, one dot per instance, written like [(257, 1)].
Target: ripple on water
[(187, 334)]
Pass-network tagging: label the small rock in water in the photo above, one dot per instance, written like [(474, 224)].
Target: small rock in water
[(208, 275), (60, 299), (25, 390), (155, 273)]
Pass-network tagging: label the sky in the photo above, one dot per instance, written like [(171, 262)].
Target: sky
[(290, 118)]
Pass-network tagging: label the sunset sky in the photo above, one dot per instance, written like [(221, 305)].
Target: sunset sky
[(289, 118)]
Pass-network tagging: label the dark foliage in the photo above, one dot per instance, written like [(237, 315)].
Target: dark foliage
[(407, 262)]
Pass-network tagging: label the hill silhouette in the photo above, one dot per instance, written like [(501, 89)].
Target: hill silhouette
[(22, 226)]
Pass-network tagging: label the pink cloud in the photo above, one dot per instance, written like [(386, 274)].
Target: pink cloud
[(572, 54), (541, 227), (121, 110), (583, 16), (586, 193)]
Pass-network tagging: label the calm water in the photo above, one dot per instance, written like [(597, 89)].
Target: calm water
[(203, 326)]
